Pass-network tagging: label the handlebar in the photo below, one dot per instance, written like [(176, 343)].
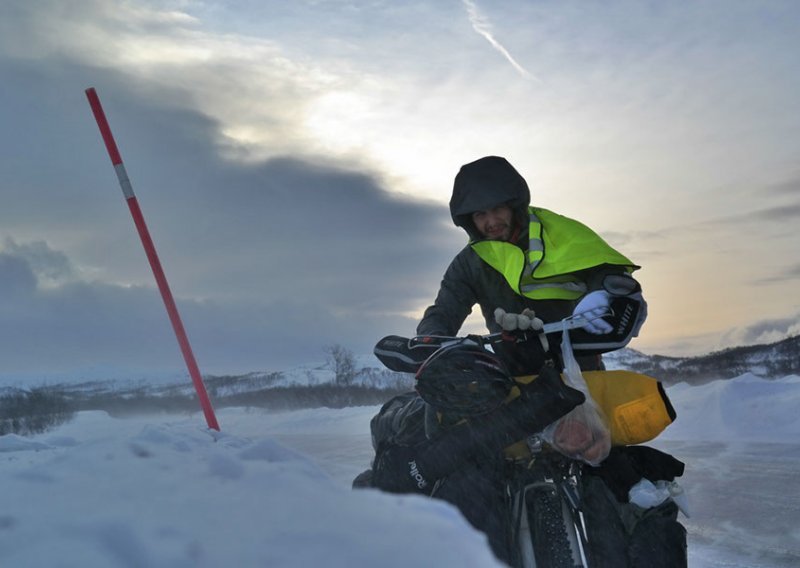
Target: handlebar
[(624, 314), (406, 355), (575, 321)]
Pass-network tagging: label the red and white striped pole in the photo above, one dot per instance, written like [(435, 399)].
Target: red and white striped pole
[(152, 256)]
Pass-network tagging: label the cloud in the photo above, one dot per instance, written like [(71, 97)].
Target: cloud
[(620, 239), (258, 95), (16, 280), (778, 214), (758, 333), (778, 205), (76, 326), (314, 212), (270, 261), (764, 331), (790, 187), (268, 150), (48, 266), (271, 257), (295, 227), (789, 274), (482, 26)]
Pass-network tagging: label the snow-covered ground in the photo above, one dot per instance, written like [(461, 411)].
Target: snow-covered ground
[(740, 440), (273, 489)]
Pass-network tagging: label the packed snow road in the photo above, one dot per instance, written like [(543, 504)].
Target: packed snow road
[(744, 500)]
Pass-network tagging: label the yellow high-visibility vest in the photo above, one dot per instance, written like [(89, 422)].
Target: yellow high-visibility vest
[(557, 248)]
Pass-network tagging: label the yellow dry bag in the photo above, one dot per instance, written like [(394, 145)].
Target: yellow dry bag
[(635, 405)]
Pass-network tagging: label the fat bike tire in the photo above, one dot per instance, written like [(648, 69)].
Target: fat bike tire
[(551, 529)]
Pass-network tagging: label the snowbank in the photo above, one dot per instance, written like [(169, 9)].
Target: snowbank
[(747, 408), (153, 492)]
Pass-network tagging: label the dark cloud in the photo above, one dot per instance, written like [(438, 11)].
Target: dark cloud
[(303, 215), (46, 263), (270, 261), (16, 280), (790, 187), (779, 213), (46, 151), (84, 325), (790, 273)]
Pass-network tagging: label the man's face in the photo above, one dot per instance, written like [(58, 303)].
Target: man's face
[(495, 223)]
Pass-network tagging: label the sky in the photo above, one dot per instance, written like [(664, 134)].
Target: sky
[(294, 161)]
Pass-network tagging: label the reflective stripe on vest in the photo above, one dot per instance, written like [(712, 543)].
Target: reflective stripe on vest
[(519, 268), (535, 245), (566, 288)]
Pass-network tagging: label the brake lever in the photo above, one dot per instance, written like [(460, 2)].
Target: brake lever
[(571, 322), (443, 341)]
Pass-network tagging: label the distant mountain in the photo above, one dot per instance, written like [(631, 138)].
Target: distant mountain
[(770, 361)]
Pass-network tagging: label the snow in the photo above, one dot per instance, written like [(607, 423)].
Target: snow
[(169, 492), (745, 409), (272, 489)]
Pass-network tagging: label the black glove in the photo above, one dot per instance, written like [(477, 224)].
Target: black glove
[(404, 468), (625, 466)]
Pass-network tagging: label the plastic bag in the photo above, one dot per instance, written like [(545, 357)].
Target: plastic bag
[(583, 433), (647, 494)]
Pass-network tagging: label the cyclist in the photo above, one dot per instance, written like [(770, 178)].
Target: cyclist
[(524, 265)]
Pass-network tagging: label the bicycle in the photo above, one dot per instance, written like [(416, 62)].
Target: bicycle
[(545, 524)]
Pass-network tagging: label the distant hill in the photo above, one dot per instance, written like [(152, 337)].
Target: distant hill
[(355, 380), (770, 361)]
